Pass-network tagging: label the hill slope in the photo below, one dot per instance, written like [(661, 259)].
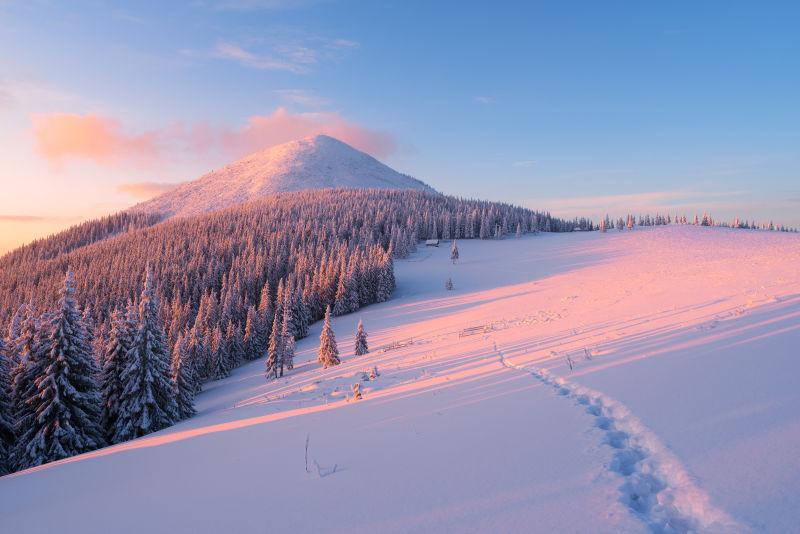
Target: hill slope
[(319, 162), (683, 416)]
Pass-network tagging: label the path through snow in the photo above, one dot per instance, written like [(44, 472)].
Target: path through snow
[(657, 488)]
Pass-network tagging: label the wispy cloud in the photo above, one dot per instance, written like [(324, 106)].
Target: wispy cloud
[(646, 202), (234, 52), (14, 92), (22, 218), (293, 53), (485, 99), (146, 190), (524, 164), (258, 5), (302, 97)]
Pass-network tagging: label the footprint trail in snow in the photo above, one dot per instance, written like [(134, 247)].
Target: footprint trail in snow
[(656, 486)]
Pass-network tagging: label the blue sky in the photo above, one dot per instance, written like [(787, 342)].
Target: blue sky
[(577, 107)]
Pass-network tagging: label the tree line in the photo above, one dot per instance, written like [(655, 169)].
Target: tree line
[(150, 310)]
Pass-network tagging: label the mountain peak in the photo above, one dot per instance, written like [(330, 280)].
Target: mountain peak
[(315, 162)]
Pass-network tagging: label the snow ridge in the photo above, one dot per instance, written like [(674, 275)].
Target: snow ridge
[(657, 487), (319, 162)]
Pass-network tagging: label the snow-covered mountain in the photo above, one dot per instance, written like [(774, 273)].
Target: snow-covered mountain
[(317, 162)]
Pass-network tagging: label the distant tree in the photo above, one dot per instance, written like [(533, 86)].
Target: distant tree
[(265, 314), (287, 334), (288, 353), (120, 341), (448, 284), (147, 403), (274, 356), (340, 304), (328, 351), (7, 436), (219, 354), (361, 340), (65, 396), (182, 378), (254, 344), (519, 230), (234, 346), (454, 252)]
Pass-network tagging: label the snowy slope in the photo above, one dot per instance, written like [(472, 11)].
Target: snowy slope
[(679, 412), (317, 162)]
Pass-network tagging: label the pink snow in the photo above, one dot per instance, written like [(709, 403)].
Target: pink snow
[(679, 412)]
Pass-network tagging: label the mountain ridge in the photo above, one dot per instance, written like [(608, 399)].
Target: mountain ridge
[(317, 162)]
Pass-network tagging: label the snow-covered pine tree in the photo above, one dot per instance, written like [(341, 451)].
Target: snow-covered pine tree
[(328, 351), (287, 333), (249, 344), (120, 341), (26, 352), (288, 353), (265, 313), (361, 340), (233, 340), (448, 284), (196, 350), (274, 355), (300, 315), (354, 281), (147, 403), (65, 396), (182, 378), (454, 252), (219, 354), (340, 304), (7, 436)]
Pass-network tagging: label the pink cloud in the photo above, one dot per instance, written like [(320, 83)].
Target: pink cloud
[(262, 131), (102, 140), (61, 136)]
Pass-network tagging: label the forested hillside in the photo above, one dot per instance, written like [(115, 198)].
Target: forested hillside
[(152, 310)]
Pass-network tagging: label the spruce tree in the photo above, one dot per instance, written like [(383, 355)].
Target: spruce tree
[(328, 351), (274, 356), (265, 315), (147, 403), (26, 352), (361, 340), (340, 303), (65, 396), (233, 340), (288, 353), (287, 334), (7, 436), (219, 354), (254, 342), (196, 350), (182, 378), (120, 341), (454, 252)]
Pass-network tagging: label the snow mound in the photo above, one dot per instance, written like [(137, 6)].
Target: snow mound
[(318, 162)]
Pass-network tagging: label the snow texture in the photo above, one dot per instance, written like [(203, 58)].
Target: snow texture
[(319, 162), (641, 381)]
